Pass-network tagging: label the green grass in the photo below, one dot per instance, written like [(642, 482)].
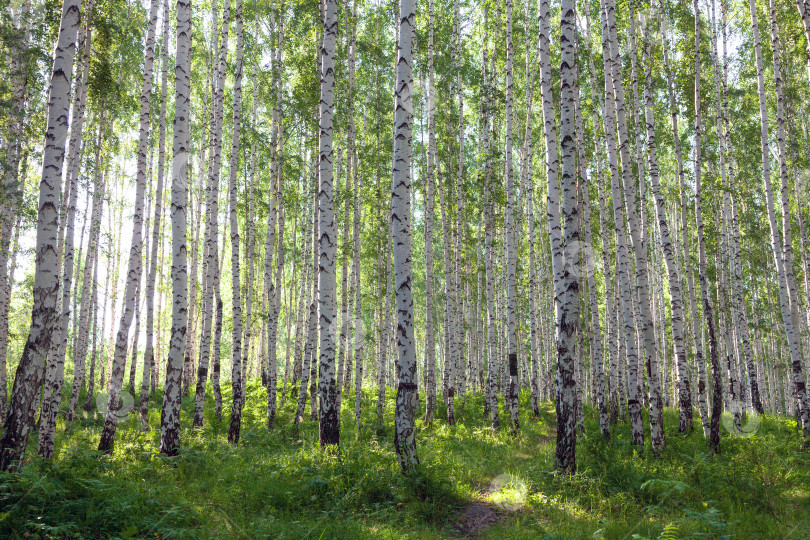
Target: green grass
[(280, 484)]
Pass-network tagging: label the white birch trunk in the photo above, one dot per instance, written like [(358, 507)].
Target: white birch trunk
[(46, 282), (407, 395), (236, 299), (776, 244), (170, 416)]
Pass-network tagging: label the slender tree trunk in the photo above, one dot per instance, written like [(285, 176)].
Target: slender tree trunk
[(785, 294), (359, 331), (623, 262), (149, 352), (312, 328), (88, 285), (236, 282), (717, 392), (527, 185), (270, 292), (459, 371), (449, 313), (593, 300), (670, 258), (170, 415), (635, 230), (492, 377), (212, 213), (430, 344), (511, 250)]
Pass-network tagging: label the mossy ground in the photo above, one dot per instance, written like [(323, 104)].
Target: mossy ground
[(279, 484)]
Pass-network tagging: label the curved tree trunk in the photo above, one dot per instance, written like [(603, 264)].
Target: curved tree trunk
[(46, 283), (670, 258), (785, 295), (54, 373)]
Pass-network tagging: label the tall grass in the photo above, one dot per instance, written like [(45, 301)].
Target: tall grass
[(279, 484)]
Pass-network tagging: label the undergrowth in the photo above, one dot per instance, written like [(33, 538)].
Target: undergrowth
[(279, 484)]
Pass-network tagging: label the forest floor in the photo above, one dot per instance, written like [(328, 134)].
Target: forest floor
[(472, 483)]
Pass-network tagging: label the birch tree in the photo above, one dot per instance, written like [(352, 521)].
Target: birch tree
[(236, 282), (511, 255), (717, 395), (407, 396), (430, 345), (211, 249), (170, 412), (134, 264), (329, 415), (566, 285), (670, 258), (46, 282)]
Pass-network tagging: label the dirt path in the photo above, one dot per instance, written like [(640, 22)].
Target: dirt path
[(478, 516)]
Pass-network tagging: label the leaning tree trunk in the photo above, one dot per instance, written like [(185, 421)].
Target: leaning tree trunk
[(54, 373), (134, 265), (670, 257), (787, 243), (803, 413), (407, 396), (46, 283), (170, 416)]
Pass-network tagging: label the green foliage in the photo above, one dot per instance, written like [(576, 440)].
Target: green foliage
[(280, 484)]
